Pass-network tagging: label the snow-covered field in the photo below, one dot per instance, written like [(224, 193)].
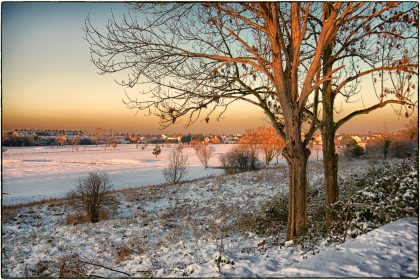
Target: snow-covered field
[(181, 230), (33, 173)]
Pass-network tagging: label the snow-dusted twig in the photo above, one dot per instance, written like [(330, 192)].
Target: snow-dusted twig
[(103, 266)]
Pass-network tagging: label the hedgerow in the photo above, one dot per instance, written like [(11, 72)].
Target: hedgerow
[(386, 193)]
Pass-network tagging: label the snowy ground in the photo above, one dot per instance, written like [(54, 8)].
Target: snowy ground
[(179, 231), (390, 251)]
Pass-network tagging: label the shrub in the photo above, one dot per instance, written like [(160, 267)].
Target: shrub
[(86, 141), (402, 149), (268, 219), (176, 168), (239, 159), (353, 150), (83, 218), (92, 193), (41, 269), (390, 195), (376, 149), (277, 208), (70, 266), (67, 266)]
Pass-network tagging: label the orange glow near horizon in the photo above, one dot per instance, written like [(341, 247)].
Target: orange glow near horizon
[(235, 120)]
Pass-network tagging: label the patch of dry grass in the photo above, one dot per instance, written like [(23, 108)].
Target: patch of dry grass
[(122, 254), (50, 201), (9, 215), (83, 218)]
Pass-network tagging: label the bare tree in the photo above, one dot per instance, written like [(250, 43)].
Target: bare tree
[(197, 59), (177, 166), (98, 135), (75, 143), (196, 145), (380, 43), (239, 159), (92, 193), (250, 141), (204, 153), (269, 142)]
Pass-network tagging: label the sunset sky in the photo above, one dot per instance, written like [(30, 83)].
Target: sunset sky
[(48, 80)]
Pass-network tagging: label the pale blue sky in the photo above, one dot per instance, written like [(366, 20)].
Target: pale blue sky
[(48, 80)]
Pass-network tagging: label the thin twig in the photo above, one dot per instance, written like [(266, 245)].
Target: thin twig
[(99, 265)]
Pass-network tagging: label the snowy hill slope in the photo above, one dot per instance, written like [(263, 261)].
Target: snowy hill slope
[(390, 251), (191, 230)]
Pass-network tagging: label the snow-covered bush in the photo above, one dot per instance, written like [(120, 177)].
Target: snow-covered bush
[(268, 219), (393, 194), (276, 208), (93, 193)]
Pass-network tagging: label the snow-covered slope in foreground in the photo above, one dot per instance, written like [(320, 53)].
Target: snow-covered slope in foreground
[(182, 230), (390, 251)]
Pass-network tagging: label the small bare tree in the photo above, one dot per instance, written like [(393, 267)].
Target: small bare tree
[(204, 153), (176, 168), (269, 143), (75, 143), (157, 150), (92, 193)]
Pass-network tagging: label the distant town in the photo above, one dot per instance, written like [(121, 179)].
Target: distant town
[(50, 137), (47, 137)]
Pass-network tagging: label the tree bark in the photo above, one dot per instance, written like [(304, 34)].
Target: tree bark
[(330, 167), (330, 157), (297, 157), (93, 214)]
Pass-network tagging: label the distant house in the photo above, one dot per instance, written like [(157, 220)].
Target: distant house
[(172, 139), (229, 139), (215, 140), (123, 140)]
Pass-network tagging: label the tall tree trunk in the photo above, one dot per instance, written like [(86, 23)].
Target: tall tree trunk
[(330, 167), (297, 158), (330, 157)]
